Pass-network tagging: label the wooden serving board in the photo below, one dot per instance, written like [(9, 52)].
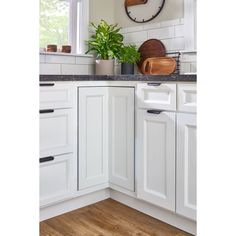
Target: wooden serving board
[(151, 48), (159, 66)]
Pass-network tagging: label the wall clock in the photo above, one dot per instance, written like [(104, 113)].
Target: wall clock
[(141, 11)]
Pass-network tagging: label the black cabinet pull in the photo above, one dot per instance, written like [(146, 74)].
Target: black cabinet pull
[(157, 112), (45, 159), (154, 84), (46, 111), (47, 85)]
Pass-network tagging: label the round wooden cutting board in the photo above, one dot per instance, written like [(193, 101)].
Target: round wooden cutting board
[(151, 48)]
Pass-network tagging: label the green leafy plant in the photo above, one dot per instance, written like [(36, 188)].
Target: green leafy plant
[(129, 54), (107, 41)]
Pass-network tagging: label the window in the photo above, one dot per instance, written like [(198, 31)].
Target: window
[(64, 22)]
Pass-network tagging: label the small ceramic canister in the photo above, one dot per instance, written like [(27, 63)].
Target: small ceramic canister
[(66, 48), (51, 48)]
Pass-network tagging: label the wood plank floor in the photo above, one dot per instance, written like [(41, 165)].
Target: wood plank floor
[(107, 218)]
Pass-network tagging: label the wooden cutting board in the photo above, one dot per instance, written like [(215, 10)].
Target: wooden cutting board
[(151, 48), (159, 66)]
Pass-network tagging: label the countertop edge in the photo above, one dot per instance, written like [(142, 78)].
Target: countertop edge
[(171, 78)]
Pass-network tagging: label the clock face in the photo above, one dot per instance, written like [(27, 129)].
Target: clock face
[(141, 11)]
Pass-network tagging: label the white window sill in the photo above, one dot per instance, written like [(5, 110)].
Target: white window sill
[(66, 54)]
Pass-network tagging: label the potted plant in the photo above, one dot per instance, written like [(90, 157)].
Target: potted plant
[(106, 43), (128, 56)]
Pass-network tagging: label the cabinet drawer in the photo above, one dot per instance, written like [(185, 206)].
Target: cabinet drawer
[(56, 179), (56, 132), (157, 96), (55, 96), (187, 97)]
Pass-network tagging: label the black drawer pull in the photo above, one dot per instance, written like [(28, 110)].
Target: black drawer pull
[(47, 85), (154, 84), (157, 112), (45, 159), (46, 111)]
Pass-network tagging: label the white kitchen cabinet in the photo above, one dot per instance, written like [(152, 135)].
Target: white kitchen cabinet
[(56, 178), (93, 136), (121, 137), (156, 158), (186, 165), (56, 131)]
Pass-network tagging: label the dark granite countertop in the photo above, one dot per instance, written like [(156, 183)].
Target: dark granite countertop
[(171, 78)]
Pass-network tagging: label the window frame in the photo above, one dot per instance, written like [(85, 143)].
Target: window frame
[(83, 26)]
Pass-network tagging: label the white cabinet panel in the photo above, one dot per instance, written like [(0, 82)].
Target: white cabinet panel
[(121, 137), (187, 97), (156, 158), (186, 165), (93, 136), (157, 96), (54, 95), (56, 132), (56, 179)]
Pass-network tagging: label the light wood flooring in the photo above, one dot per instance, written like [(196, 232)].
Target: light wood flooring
[(107, 218)]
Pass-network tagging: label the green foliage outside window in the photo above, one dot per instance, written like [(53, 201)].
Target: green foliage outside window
[(54, 22)]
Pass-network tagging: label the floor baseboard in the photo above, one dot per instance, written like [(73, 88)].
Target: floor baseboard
[(73, 204)]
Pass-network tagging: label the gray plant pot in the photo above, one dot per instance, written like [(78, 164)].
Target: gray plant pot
[(127, 68), (104, 67)]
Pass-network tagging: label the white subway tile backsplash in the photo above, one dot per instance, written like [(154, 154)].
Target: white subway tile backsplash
[(67, 69), (42, 58), (185, 68), (170, 23), (174, 44), (193, 67), (85, 60), (188, 57), (131, 29), (60, 59), (135, 37), (179, 31), (162, 33), (50, 69), (152, 26)]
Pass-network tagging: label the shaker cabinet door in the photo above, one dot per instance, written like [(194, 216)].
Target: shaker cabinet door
[(121, 137), (93, 136), (156, 158), (186, 165)]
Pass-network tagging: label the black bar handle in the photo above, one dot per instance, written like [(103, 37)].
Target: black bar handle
[(46, 84), (154, 84), (157, 112), (45, 159), (46, 111)]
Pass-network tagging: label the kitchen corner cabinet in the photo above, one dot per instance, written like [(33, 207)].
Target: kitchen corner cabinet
[(106, 136), (93, 136), (156, 158), (121, 137), (186, 165)]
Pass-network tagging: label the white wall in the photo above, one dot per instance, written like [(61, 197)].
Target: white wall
[(102, 9)]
